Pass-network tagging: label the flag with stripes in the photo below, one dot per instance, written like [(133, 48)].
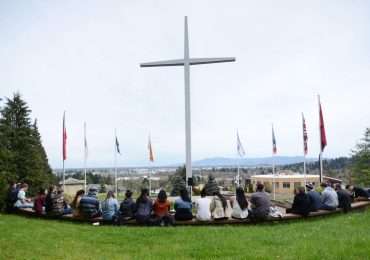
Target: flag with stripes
[(305, 137), (240, 148), (64, 138)]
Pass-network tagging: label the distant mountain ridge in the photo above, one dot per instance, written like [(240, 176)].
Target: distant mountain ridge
[(262, 161)]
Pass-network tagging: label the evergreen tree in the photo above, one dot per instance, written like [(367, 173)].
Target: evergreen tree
[(22, 156), (177, 184), (102, 189), (250, 188), (145, 183), (360, 167), (211, 185), (182, 172)]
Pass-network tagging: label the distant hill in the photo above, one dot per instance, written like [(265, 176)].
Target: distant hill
[(263, 161)]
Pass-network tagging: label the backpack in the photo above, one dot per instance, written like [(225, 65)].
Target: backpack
[(154, 220)]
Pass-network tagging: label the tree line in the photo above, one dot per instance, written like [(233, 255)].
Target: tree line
[(23, 157)]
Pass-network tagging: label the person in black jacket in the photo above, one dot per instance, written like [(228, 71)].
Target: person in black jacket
[(12, 197), (358, 192), (128, 207), (301, 204), (344, 198)]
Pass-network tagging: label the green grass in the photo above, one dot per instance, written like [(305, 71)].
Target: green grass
[(330, 237)]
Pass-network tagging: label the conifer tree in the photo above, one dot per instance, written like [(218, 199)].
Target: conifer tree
[(145, 183), (360, 168), (102, 189), (22, 156), (211, 185), (177, 184)]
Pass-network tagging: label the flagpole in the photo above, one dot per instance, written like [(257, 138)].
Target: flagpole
[(237, 157), (85, 153), (273, 172), (115, 160), (320, 157), (64, 149), (64, 173), (150, 170), (273, 164), (304, 152)]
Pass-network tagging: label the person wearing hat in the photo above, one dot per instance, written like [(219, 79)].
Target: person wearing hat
[(314, 197), (260, 204), (89, 204)]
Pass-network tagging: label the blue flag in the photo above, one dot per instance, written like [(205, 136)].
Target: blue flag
[(117, 146)]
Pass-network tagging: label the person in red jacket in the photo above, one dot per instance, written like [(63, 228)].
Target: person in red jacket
[(39, 205)]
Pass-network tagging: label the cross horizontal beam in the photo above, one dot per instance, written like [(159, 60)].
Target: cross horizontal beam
[(181, 62)]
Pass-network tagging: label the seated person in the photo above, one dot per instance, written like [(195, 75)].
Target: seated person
[(75, 205), (329, 198), (314, 196), (59, 205), (203, 205), (219, 206), (144, 206), (239, 205), (12, 197), (23, 201), (90, 205), (183, 206), (161, 208), (357, 192), (39, 205), (260, 204), (52, 192), (344, 198), (127, 208), (110, 207), (301, 204)]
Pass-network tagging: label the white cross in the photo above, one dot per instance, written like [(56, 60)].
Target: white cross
[(186, 62)]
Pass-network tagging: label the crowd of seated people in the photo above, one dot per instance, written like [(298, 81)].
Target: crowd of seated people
[(146, 212)]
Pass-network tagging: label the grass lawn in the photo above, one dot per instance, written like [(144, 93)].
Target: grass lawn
[(330, 237)]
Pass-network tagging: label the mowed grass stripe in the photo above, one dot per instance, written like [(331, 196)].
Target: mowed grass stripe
[(337, 236)]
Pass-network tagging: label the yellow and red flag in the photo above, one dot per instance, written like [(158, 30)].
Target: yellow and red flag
[(151, 158)]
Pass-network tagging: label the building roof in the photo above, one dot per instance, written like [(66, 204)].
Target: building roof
[(72, 181), (283, 176)]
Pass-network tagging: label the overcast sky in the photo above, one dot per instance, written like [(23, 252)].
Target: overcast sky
[(83, 57)]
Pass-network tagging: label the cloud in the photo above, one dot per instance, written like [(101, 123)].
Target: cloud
[(84, 59)]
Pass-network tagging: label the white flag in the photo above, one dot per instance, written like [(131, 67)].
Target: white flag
[(86, 148), (239, 146)]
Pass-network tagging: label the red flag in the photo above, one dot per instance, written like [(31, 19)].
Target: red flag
[(64, 138), (322, 128), (305, 137)]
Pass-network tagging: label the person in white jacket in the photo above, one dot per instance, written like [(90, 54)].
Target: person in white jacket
[(203, 207)]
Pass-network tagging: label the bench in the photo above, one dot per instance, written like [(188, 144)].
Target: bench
[(360, 205)]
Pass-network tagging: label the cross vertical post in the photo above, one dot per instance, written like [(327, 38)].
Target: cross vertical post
[(187, 62)]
